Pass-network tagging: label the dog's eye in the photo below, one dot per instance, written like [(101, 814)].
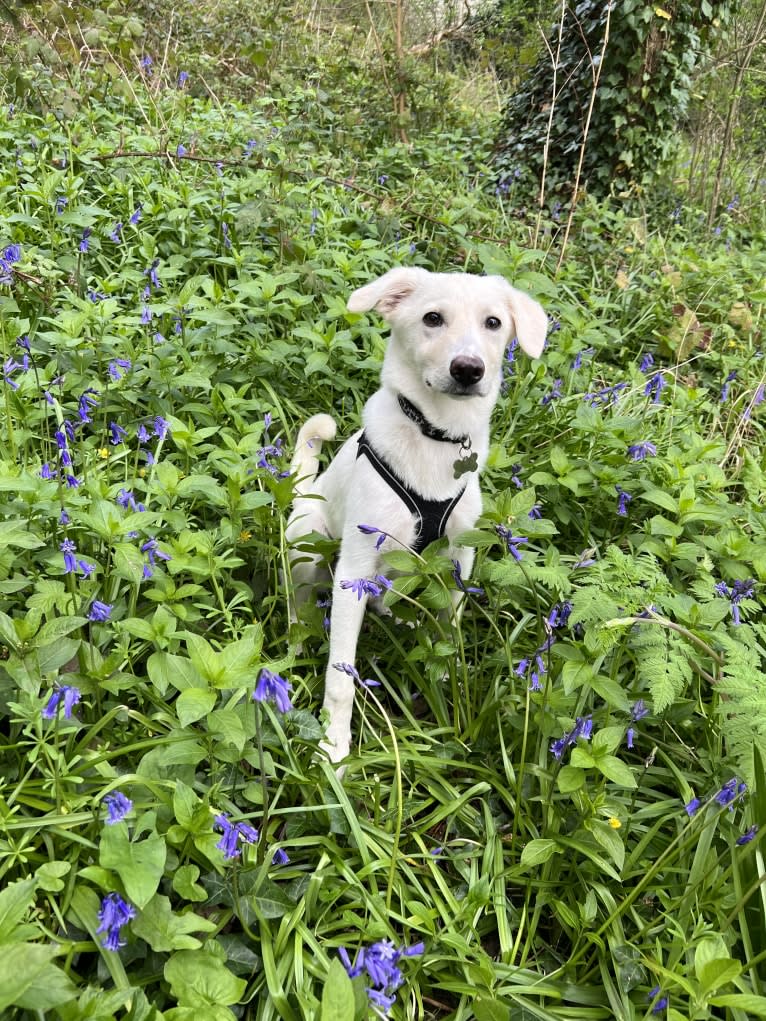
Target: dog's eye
[(433, 319), (492, 323)]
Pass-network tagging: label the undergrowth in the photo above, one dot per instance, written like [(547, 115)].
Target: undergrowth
[(550, 813)]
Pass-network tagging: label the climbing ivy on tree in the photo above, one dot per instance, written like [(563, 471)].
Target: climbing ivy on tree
[(642, 93)]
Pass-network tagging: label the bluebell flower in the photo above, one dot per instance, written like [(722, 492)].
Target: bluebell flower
[(233, 834), (161, 427), (117, 807), (114, 915), (70, 696), (61, 204), (9, 366), (638, 712), (362, 587), (250, 147), (730, 791), (46, 472), (535, 512), (511, 541), (116, 232), (225, 232), (153, 554), (180, 149), (86, 404), (273, 688), (280, 857), (100, 612), (758, 398), (692, 807), (559, 614), (118, 367), (68, 548), (738, 591), (582, 728), (146, 315), (116, 433), (640, 451), (95, 296), (86, 568), (605, 396), (623, 499), (661, 1004), (135, 216), (183, 77), (11, 254), (555, 392), (381, 962), (146, 63), (351, 671), (747, 836), (126, 499), (372, 530), (646, 362), (655, 386), (726, 384), (457, 574), (84, 240)]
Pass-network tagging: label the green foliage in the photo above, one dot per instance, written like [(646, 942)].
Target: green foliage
[(508, 803), (642, 81)]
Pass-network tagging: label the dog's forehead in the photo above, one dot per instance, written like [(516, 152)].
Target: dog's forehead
[(460, 290)]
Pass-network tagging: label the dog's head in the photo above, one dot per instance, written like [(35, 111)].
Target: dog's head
[(452, 328)]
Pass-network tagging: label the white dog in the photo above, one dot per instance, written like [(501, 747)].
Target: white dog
[(412, 474)]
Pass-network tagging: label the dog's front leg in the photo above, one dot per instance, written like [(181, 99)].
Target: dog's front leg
[(348, 605), (464, 557)]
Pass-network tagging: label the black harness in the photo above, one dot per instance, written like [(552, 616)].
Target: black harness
[(431, 515)]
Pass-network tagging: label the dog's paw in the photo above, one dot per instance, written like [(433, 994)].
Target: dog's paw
[(336, 748)]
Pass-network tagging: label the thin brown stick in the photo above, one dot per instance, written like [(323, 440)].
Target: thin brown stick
[(554, 97)]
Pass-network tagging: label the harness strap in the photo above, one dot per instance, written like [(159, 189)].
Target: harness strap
[(431, 515)]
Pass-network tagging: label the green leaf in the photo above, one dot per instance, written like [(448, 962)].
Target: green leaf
[(164, 930), (614, 769), (338, 995), (718, 972), (139, 864), (538, 851), (570, 779), (15, 900), (185, 883), (749, 1003), (198, 979), (194, 703), (30, 979), (490, 1010), (272, 901)]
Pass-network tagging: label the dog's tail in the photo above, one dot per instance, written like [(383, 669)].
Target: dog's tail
[(308, 446)]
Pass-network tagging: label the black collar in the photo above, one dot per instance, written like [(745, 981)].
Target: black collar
[(431, 431)]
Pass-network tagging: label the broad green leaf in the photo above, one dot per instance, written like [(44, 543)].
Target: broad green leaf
[(185, 883), (165, 930), (31, 980), (538, 851), (338, 995), (272, 901), (15, 900), (194, 703), (197, 978), (139, 864), (570, 779), (718, 972), (749, 1003), (614, 769)]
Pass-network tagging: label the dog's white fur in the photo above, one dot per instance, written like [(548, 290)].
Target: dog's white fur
[(479, 316)]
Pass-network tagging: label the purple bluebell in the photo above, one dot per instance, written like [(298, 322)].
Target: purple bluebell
[(352, 672), (95, 296), (87, 402), (11, 254), (85, 239), (100, 612), (555, 392), (273, 688), (511, 541), (233, 835), (605, 396), (146, 63), (69, 549), (640, 451), (655, 386), (183, 77), (692, 807), (362, 587), (726, 385), (61, 204), (10, 365), (70, 696), (153, 554), (46, 472), (739, 590), (135, 216), (747, 836), (146, 315), (116, 434), (116, 232), (118, 367), (114, 915), (661, 1004), (646, 362), (180, 149), (225, 232), (161, 427), (758, 397), (457, 574), (280, 857), (559, 614), (730, 791), (623, 499), (637, 713), (117, 807), (372, 530), (535, 512), (126, 499), (381, 963), (582, 728), (86, 568)]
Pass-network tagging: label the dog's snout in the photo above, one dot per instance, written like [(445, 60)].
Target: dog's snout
[(466, 370)]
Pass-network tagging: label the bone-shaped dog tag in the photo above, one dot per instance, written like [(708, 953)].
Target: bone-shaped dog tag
[(465, 464)]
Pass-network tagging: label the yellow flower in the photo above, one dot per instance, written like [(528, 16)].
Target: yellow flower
[(245, 536), (615, 823), (104, 452)]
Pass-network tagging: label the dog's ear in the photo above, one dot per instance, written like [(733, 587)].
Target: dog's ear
[(385, 293), (530, 321)]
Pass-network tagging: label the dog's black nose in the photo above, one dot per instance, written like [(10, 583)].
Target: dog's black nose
[(466, 370)]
